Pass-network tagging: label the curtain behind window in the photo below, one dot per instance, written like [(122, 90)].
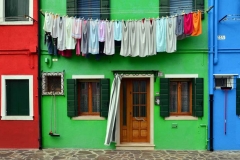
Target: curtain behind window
[(15, 10)]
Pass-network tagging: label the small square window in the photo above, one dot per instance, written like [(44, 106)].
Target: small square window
[(223, 81), (52, 83)]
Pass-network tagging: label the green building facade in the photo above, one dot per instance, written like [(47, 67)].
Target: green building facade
[(160, 75)]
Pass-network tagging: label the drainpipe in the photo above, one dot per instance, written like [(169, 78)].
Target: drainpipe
[(216, 31), (39, 81), (211, 123), (211, 39)]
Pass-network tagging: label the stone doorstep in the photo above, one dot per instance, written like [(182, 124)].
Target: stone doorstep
[(135, 146)]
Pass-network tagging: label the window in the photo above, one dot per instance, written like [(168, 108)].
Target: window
[(223, 81), (52, 83), (15, 11), (172, 7), (181, 96), (17, 97), (88, 97), (96, 9)]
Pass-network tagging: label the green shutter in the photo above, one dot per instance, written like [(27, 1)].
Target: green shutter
[(72, 8), (105, 97), (164, 97), (72, 105), (197, 97), (105, 9), (164, 8), (238, 96), (17, 92), (199, 5)]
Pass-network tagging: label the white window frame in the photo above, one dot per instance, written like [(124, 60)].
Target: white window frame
[(2, 15), (181, 117), (230, 79), (88, 117), (4, 97)]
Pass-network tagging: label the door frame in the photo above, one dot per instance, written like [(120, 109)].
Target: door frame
[(151, 109)]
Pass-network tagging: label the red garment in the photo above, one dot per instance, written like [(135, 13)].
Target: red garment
[(188, 24), (65, 53)]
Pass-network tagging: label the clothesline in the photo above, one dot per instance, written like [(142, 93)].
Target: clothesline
[(148, 36), (92, 13)]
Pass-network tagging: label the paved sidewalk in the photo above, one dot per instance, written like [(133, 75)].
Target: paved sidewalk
[(79, 154)]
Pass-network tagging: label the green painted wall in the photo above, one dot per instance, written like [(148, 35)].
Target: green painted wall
[(191, 59)]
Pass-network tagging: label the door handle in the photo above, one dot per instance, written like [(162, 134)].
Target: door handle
[(139, 119)]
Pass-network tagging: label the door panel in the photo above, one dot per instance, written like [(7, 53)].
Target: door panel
[(134, 110)]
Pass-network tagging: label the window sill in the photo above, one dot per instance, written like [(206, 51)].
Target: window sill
[(17, 23), (88, 118), (181, 118), (19, 118)]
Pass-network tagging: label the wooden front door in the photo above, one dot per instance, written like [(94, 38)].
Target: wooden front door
[(134, 110)]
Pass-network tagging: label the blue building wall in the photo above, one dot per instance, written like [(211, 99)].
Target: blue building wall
[(224, 58)]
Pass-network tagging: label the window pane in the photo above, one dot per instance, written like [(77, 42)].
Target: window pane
[(84, 97), (53, 83), (143, 98), (143, 111), (173, 97), (135, 98), (135, 111), (143, 86), (95, 97), (17, 92), (220, 82), (15, 10), (185, 96), (135, 86)]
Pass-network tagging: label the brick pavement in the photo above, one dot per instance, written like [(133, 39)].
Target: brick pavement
[(79, 154)]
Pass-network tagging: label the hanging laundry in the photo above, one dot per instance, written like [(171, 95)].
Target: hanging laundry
[(101, 31), (70, 41), (125, 44), (109, 47), (76, 33), (85, 37), (117, 31), (133, 39), (143, 32), (54, 34), (48, 22), (197, 24), (93, 44), (161, 29), (151, 37), (180, 27), (61, 27), (66, 53), (188, 24), (171, 36), (55, 26)]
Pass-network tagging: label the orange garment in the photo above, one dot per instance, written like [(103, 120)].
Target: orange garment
[(197, 23)]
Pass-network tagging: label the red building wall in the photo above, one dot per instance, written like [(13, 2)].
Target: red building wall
[(18, 56)]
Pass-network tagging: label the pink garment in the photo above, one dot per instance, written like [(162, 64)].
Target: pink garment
[(77, 28), (78, 47), (101, 31), (188, 24), (65, 53)]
